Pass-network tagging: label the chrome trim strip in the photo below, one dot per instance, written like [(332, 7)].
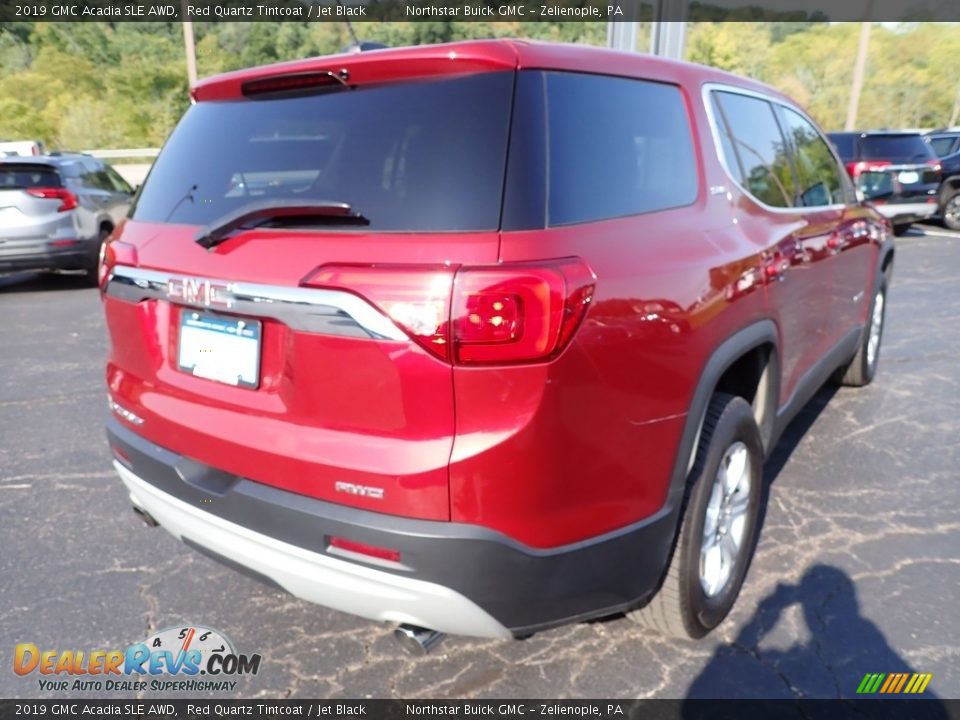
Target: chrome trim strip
[(715, 134), (329, 312), (123, 412)]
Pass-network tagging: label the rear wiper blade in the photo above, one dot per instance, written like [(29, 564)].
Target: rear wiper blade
[(266, 211)]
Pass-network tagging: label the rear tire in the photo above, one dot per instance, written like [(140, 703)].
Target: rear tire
[(722, 506), (93, 263), (863, 367), (950, 210), (901, 229)]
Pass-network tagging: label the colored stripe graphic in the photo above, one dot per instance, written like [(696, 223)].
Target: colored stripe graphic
[(903, 680), (918, 683), (870, 683), (894, 683)]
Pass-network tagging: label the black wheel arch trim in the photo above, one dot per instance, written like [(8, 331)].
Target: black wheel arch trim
[(762, 332)]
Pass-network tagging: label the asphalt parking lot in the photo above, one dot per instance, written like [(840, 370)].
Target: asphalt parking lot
[(857, 569)]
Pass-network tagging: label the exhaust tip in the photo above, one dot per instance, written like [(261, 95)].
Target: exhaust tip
[(417, 641), (145, 516)]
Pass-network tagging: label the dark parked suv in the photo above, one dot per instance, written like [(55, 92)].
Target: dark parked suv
[(56, 211), (483, 338), (946, 144), (897, 171)]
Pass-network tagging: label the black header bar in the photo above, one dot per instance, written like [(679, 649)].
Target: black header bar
[(476, 10), (212, 709)]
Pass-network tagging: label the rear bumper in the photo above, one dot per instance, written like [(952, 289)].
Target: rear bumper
[(456, 578), (907, 212), (45, 257)]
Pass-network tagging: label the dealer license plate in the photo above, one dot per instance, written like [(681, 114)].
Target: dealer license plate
[(221, 348)]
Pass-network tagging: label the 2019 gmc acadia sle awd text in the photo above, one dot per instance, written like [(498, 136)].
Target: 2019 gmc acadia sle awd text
[(487, 337)]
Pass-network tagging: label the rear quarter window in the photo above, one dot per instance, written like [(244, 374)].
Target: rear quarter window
[(616, 147)]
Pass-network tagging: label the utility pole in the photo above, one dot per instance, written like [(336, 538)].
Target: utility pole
[(189, 46), (622, 34), (668, 31), (858, 71)]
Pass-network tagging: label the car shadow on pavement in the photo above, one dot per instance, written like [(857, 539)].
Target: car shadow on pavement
[(31, 281), (792, 435), (830, 660), (827, 659)]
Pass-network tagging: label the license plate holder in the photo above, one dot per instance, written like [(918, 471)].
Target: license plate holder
[(909, 177), (222, 348)]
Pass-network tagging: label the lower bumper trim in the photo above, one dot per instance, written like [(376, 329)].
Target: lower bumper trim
[(314, 577)]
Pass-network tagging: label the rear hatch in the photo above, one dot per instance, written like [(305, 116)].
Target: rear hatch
[(283, 351), (896, 168), (33, 207)]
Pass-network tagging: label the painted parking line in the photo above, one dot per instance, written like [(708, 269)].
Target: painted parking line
[(937, 231)]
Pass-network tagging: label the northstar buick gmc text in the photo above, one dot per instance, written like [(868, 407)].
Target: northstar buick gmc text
[(486, 337)]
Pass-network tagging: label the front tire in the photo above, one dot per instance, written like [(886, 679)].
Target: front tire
[(901, 229), (718, 532), (863, 367)]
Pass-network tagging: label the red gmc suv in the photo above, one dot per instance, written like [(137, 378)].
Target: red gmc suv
[(487, 337)]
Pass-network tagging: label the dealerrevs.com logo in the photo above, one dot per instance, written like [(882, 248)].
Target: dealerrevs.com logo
[(190, 658)]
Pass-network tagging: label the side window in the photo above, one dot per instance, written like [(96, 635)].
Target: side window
[(761, 158), (818, 174), (943, 145), (846, 145), (119, 184), (616, 147), (94, 178)]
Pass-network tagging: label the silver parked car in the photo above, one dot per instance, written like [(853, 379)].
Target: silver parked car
[(56, 211)]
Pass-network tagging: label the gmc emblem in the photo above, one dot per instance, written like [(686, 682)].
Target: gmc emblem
[(199, 291)]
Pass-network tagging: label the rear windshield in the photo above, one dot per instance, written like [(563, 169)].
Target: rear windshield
[(21, 177), (895, 148), (416, 156)]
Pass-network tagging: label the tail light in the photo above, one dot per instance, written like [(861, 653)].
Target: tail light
[(68, 201), (417, 299), (518, 313), (510, 313), (114, 252), (934, 164), (856, 169)]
